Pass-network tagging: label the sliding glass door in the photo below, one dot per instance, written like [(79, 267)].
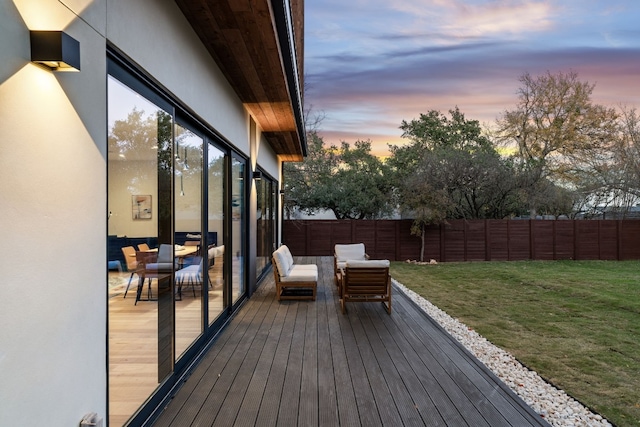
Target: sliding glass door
[(216, 172), (266, 224), (139, 201), (191, 259), (238, 227), (176, 241)]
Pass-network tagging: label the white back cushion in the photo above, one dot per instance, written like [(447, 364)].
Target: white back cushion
[(281, 262), (287, 254), (353, 251)]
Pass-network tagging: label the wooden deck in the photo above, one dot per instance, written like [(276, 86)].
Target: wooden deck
[(303, 363)]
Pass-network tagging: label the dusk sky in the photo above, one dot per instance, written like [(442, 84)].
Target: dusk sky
[(369, 64)]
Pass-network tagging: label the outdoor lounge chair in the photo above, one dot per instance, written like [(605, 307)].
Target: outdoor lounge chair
[(366, 281), (343, 253), (293, 281)]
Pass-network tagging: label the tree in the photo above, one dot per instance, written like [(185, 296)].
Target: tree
[(299, 179), (432, 131), (349, 181), (454, 155), (450, 169), (556, 129), (426, 204), (626, 156)]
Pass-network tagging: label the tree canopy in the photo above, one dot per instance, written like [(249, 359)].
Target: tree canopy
[(570, 156), (454, 156), (350, 181), (450, 169), (558, 132)]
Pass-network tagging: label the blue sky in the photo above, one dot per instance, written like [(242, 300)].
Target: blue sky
[(369, 64)]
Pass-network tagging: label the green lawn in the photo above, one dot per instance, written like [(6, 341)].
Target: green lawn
[(577, 323)]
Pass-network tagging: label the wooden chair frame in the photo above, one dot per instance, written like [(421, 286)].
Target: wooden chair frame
[(366, 284), (280, 286)]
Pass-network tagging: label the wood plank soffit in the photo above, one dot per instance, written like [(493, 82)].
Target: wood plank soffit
[(241, 36)]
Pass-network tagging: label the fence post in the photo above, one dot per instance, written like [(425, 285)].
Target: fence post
[(465, 226), (532, 254), (599, 242), (509, 241), (487, 243), (397, 239), (619, 235), (575, 240), (353, 231), (442, 252), (553, 242)]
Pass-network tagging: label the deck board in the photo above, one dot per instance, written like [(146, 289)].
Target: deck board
[(305, 363)]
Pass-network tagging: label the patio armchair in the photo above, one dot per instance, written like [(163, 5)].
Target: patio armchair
[(366, 281), (343, 253), (293, 281)]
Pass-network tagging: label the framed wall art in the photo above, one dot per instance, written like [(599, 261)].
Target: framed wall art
[(141, 206)]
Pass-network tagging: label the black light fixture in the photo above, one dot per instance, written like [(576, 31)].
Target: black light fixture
[(55, 50), (257, 175)]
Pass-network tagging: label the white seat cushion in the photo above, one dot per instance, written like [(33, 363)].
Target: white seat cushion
[(307, 267), (301, 273), (368, 263)]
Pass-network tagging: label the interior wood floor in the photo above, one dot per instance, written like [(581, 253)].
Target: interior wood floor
[(133, 340)]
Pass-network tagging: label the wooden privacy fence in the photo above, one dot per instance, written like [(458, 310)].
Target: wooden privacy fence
[(471, 240)]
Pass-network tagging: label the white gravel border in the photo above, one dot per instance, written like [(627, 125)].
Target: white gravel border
[(558, 408)]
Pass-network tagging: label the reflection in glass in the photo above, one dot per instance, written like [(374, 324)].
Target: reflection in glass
[(215, 223), (265, 217), (238, 227), (137, 128), (191, 259)]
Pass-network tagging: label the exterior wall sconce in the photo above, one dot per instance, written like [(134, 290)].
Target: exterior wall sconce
[(55, 50), (257, 175)]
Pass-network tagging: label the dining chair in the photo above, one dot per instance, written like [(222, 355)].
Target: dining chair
[(154, 265), (195, 257), (132, 265), (191, 275), (144, 247)]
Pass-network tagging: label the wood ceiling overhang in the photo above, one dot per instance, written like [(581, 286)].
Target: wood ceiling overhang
[(250, 42)]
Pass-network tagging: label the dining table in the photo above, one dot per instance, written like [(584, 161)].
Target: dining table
[(150, 257)]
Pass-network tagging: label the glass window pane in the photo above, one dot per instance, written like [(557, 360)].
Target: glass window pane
[(191, 259), (238, 227), (265, 217), (215, 224), (137, 128)]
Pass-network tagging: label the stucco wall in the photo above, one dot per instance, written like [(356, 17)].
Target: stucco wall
[(157, 36), (53, 172), (52, 227)]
